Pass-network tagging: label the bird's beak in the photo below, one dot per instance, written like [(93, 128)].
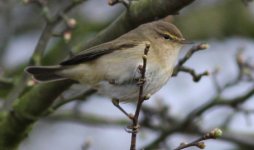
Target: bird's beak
[(184, 41)]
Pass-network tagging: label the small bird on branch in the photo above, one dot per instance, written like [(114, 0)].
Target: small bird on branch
[(112, 67)]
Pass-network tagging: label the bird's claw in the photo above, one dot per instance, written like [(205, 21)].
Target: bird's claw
[(141, 82), (132, 129)]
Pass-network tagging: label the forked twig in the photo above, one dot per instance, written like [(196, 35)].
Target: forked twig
[(181, 68), (195, 77)]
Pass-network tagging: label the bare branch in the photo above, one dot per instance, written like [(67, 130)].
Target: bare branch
[(217, 101), (192, 51), (181, 68), (196, 77), (214, 134), (62, 102), (141, 99)]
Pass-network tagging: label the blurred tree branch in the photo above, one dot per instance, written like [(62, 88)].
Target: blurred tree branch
[(242, 139), (216, 101), (83, 96), (51, 23), (214, 134), (197, 25), (7, 32)]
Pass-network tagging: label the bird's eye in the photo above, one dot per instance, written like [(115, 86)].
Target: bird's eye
[(167, 37)]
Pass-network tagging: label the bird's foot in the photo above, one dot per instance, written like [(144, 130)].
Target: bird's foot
[(132, 129), (140, 81)]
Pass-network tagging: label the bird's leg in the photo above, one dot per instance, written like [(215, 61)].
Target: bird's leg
[(117, 105), (140, 81), (132, 129), (129, 128)]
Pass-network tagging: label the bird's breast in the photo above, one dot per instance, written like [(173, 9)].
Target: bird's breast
[(156, 77)]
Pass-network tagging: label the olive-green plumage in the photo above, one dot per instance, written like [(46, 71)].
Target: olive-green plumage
[(112, 67)]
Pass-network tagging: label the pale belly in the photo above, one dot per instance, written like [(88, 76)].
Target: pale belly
[(155, 80)]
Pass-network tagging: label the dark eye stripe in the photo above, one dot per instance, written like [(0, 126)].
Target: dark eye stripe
[(167, 37)]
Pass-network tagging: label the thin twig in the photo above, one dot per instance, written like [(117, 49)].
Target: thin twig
[(141, 99), (215, 81), (196, 77), (181, 68), (67, 9), (214, 134), (217, 101), (101, 121), (193, 50), (242, 65)]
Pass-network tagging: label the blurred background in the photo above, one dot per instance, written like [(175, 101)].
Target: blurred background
[(227, 26)]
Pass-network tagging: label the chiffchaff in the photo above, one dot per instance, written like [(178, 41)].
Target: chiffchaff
[(112, 67)]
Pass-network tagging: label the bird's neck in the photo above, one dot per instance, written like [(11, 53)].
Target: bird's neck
[(167, 54)]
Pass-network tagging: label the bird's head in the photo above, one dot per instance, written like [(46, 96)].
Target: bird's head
[(164, 33)]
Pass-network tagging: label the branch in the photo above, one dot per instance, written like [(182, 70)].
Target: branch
[(193, 50), (181, 68), (196, 77), (87, 118), (35, 102), (62, 102), (217, 101), (142, 11), (243, 140), (141, 99), (15, 125), (214, 134), (51, 23)]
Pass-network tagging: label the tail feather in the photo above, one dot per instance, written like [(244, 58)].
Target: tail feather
[(45, 74)]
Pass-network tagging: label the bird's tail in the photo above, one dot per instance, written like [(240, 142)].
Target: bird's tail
[(45, 74)]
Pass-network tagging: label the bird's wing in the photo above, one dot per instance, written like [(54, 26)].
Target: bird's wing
[(97, 51)]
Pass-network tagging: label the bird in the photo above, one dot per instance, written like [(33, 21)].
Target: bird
[(112, 67)]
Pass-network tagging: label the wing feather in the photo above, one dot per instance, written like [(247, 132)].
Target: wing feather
[(97, 51)]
